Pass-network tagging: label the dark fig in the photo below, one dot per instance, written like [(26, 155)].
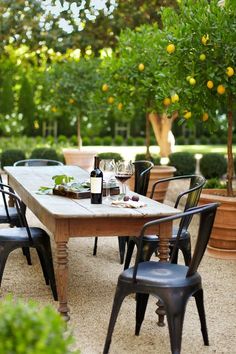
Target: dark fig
[(135, 198), (126, 198)]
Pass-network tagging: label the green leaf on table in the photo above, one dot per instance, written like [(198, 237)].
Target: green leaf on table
[(62, 179), (44, 190)]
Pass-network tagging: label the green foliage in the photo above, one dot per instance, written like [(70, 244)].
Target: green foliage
[(130, 141), (140, 141), (181, 140), (44, 153), (214, 140), (10, 156), (118, 140), (213, 183), (154, 158), (62, 139), (184, 162), (97, 141), (191, 140), (203, 140), (24, 328), (107, 140), (7, 94), (26, 105), (111, 155), (213, 165), (74, 140)]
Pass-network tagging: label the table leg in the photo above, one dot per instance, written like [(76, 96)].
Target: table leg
[(163, 254), (62, 278)]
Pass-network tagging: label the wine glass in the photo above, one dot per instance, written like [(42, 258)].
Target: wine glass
[(108, 169), (123, 171)]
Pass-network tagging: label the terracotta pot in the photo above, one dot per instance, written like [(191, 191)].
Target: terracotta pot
[(157, 173), (222, 243), (83, 159)]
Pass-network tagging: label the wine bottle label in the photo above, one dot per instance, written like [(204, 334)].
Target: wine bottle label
[(96, 185)]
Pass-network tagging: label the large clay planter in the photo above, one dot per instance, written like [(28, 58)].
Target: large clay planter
[(222, 243), (157, 173), (83, 159)]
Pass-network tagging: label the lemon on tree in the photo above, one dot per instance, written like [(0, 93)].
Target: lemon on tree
[(210, 84), (230, 71), (192, 81), (187, 114), (170, 48), (166, 101), (175, 98), (205, 39), (141, 67), (105, 87), (205, 117), (220, 89), (202, 57), (110, 100), (120, 106)]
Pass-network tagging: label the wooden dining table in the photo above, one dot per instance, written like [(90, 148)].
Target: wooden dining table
[(67, 217)]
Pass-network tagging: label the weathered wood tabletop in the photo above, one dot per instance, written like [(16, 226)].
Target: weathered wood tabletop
[(65, 217)]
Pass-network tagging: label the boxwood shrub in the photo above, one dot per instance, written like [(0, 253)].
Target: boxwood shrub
[(86, 141), (184, 162), (118, 140), (9, 156), (111, 155), (44, 153), (213, 165), (107, 140), (26, 328), (154, 158)]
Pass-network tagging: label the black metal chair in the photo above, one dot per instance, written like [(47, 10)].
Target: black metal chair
[(141, 180), (9, 215), (151, 242), (38, 162), (172, 283), (26, 237)]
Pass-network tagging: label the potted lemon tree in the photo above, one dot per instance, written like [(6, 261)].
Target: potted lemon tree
[(202, 71)]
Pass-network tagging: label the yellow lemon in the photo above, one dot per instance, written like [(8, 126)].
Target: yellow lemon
[(205, 117), (202, 57), (187, 115), (220, 89), (166, 101), (192, 81), (105, 87), (175, 98), (120, 106), (54, 109), (229, 71), (141, 67), (205, 39), (71, 101), (188, 78), (210, 84), (170, 48), (110, 100)]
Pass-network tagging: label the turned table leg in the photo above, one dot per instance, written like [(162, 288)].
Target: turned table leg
[(163, 254), (62, 278)]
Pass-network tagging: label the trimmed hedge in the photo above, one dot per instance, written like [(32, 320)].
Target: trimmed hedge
[(213, 165), (154, 158), (111, 155), (184, 162), (44, 153), (10, 156)]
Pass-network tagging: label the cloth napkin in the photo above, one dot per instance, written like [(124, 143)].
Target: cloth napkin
[(128, 204)]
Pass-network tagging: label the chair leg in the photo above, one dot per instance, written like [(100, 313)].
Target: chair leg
[(95, 246), (118, 299), (4, 253), (175, 319), (26, 253), (129, 252), (46, 253), (122, 243), (201, 312), (45, 274), (141, 305)]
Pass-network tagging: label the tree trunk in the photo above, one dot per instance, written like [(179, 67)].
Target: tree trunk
[(79, 133), (161, 125), (230, 166)]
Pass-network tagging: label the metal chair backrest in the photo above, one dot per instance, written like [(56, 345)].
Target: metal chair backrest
[(3, 187), (207, 215), (142, 176), (19, 205), (193, 192), (38, 162)]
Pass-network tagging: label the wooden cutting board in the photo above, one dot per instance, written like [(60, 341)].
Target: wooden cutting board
[(83, 195)]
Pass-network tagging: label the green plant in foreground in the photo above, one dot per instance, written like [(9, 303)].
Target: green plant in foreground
[(26, 329)]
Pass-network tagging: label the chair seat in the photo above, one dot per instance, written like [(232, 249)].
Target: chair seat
[(160, 274), (12, 213), (154, 238), (20, 234)]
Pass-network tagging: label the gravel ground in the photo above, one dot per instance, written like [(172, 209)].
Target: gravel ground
[(92, 282)]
